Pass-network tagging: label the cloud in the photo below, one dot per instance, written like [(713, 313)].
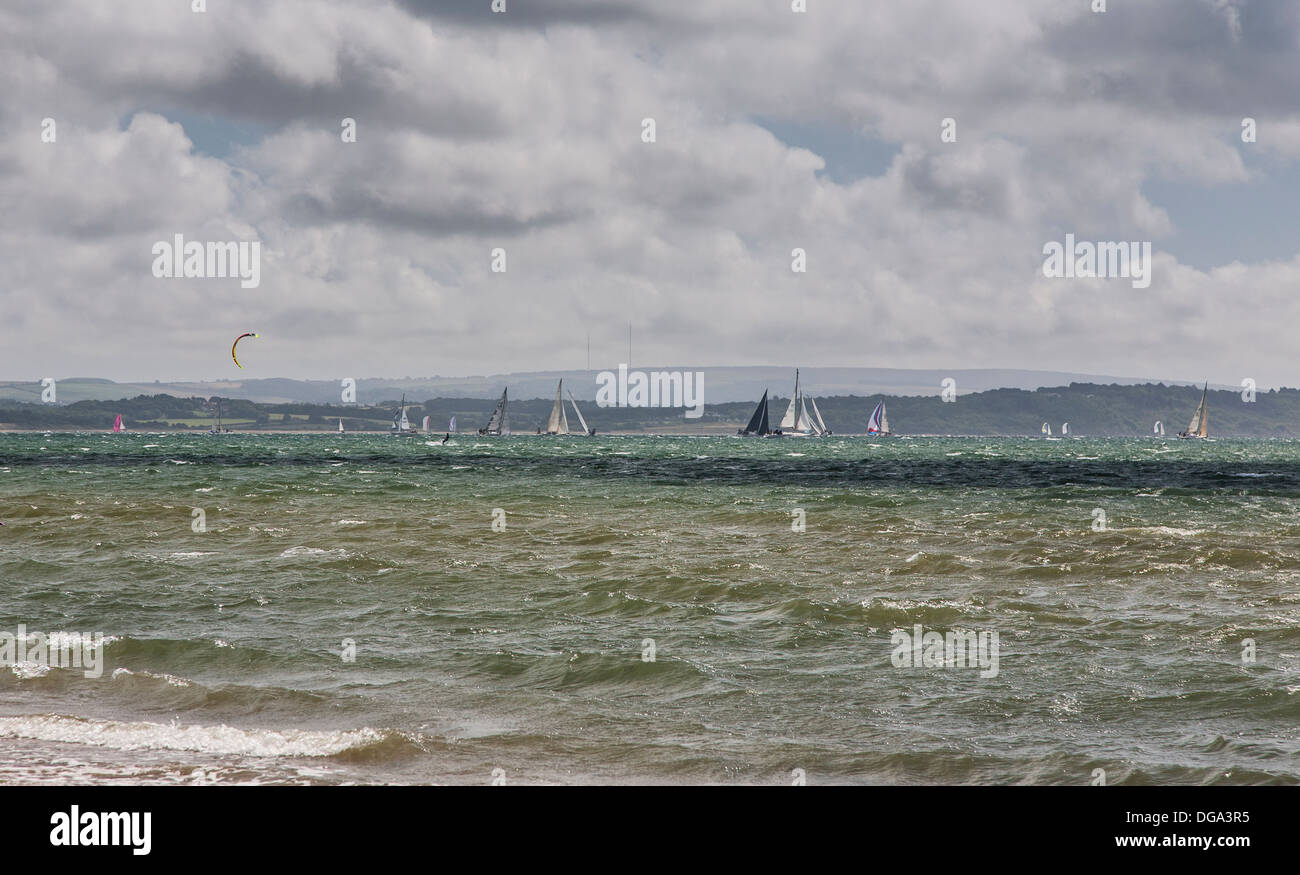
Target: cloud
[(524, 131)]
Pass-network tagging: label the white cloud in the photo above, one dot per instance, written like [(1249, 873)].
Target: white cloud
[(475, 133)]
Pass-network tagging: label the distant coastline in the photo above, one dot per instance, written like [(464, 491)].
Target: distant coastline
[(1091, 410)]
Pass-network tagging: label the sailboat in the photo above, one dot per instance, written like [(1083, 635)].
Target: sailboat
[(574, 402), (217, 429), (796, 421), (451, 426), (117, 424), (499, 422), (401, 425), (879, 421), (559, 421), (1199, 426), (1158, 429), (1065, 429), (1046, 430), (340, 426), (758, 423), (425, 424)]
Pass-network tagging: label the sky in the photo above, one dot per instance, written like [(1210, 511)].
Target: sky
[(524, 131)]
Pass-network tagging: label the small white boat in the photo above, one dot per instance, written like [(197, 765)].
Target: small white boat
[(401, 425)]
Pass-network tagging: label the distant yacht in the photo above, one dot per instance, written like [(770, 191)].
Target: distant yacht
[(451, 426), (879, 421), (117, 424), (1065, 428), (1046, 430), (758, 423), (1199, 427), (425, 424), (218, 428), (401, 425), (340, 426), (1158, 428), (558, 424), (797, 421), (499, 422)]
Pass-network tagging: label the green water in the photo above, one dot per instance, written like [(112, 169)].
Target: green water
[(527, 650)]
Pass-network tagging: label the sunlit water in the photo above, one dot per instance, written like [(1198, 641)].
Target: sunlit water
[(525, 650)]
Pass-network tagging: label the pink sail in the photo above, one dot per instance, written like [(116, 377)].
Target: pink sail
[(117, 424)]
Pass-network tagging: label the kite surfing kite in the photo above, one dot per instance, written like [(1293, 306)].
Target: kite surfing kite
[(236, 343)]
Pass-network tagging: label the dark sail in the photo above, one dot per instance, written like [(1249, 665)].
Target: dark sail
[(758, 422), (499, 422)]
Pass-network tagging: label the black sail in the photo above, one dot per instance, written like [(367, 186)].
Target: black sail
[(758, 422)]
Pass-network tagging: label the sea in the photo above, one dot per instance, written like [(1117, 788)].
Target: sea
[(371, 609)]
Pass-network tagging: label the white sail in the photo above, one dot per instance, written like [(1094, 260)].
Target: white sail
[(581, 421), (340, 426), (559, 422), (405, 424), (788, 421), (1065, 428), (1199, 426), (426, 422), (805, 423), (821, 424), (451, 427), (874, 421), (884, 419), (1158, 428), (1047, 429)]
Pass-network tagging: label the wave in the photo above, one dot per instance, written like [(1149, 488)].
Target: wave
[(220, 740)]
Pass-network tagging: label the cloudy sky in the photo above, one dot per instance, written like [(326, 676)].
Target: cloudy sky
[(524, 131)]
